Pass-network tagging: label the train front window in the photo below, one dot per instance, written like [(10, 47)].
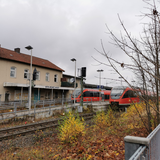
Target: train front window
[(116, 93)]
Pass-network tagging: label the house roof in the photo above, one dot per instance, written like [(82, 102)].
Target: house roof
[(70, 76), (24, 58)]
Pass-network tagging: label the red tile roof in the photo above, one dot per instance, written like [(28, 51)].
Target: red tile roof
[(24, 58)]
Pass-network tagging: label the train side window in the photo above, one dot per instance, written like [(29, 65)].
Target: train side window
[(106, 96), (91, 94), (132, 94), (96, 94), (126, 95), (86, 94), (129, 94)]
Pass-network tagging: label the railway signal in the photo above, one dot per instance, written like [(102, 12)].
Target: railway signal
[(34, 74)]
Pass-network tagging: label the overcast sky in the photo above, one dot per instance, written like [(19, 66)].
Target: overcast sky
[(59, 30)]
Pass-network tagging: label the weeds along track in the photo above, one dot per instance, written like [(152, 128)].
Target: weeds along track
[(12, 132)]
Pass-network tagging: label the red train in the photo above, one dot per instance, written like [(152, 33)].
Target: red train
[(123, 96), (91, 95)]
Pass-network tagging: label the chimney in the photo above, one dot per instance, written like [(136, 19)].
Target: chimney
[(17, 50)]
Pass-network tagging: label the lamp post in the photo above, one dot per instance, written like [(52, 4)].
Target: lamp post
[(74, 60), (100, 70), (29, 103)]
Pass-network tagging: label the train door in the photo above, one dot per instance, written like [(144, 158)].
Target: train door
[(102, 96), (125, 99), (96, 96), (134, 97), (86, 96)]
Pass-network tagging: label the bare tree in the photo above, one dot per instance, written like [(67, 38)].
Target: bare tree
[(144, 53)]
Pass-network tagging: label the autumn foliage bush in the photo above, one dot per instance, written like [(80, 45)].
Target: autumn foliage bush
[(132, 115), (71, 128), (103, 120)]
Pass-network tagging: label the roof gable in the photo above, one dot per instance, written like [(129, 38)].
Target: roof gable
[(24, 58)]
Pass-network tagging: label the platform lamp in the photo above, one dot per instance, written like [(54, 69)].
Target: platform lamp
[(74, 60), (29, 103)]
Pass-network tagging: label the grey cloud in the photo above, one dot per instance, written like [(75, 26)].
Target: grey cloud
[(60, 30)]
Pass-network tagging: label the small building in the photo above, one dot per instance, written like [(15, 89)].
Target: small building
[(68, 81)]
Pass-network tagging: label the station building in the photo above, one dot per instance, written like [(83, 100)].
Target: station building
[(14, 80)]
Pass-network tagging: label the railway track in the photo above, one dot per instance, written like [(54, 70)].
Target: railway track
[(12, 132)]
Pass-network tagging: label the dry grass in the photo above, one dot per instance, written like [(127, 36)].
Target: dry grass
[(99, 142)]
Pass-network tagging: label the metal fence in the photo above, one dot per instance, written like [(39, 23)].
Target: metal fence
[(138, 148), (14, 109)]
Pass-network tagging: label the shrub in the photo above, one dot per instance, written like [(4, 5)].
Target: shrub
[(102, 120), (134, 109), (132, 115), (71, 128)]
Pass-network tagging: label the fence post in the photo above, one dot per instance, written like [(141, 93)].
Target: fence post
[(35, 110), (62, 102), (15, 109), (132, 143), (50, 107)]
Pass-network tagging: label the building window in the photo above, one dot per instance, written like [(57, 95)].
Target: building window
[(26, 72), (38, 75), (13, 72), (47, 77), (55, 78)]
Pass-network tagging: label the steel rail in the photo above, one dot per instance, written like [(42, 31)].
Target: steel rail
[(31, 128)]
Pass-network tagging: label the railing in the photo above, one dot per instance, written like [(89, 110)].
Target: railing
[(14, 109), (67, 84), (138, 148)]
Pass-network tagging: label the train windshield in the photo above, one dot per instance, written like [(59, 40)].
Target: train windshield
[(77, 93), (116, 92)]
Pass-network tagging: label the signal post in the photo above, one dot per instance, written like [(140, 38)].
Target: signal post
[(83, 74)]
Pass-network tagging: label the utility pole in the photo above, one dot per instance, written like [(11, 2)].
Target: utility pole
[(100, 82), (30, 80), (74, 60), (81, 91)]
